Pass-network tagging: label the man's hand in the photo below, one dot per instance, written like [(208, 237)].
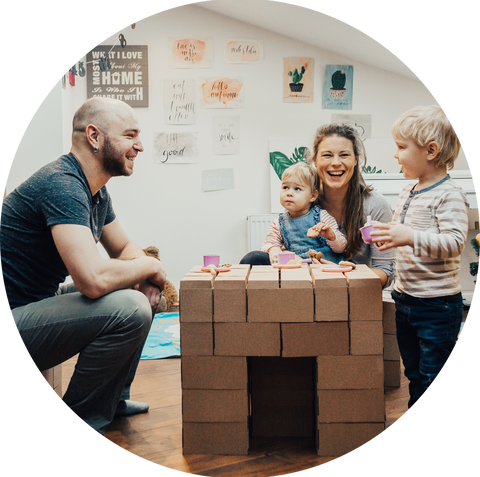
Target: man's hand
[(154, 285), (93, 275), (152, 292), (160, 276)]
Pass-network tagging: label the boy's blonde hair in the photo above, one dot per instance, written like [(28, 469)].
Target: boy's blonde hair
[(304, 173), (426, 124)]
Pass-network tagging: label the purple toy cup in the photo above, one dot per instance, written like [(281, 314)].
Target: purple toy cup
[(366, 233), (285, 257), (211, 259)]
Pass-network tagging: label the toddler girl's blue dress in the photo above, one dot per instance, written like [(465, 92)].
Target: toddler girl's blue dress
[(294, 235)]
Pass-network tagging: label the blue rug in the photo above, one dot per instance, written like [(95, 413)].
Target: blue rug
[(163, 340)]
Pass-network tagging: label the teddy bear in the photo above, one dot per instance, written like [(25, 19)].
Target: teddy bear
[(169, 298)]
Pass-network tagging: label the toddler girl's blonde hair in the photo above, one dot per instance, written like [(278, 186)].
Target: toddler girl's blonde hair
[(304, 173), (426, 124)]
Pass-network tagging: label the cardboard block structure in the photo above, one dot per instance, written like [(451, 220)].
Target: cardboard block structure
[(270, 352)]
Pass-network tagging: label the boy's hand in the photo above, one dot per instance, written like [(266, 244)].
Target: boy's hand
[(325, 231), (392, 235)]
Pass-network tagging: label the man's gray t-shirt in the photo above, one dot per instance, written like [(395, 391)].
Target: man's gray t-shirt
[(58, 193)]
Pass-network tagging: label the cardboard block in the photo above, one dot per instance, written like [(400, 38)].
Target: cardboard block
[(361, 268), (390, 348), (247, 339), (327, 279), (215, 405), (351, 405), (244, 266), (295, 278), (196, 339), (365, 294), (366, 337), (234, 272), (263, 281), (215, 438), (280, 305), (331, 304), (196, 297), (214, 372), (315, 339), (350, 372), (331, 296), (340, 438), (389, 326), (197, 280), (392, 373), (196, 305), (230, 305), (227, 281), (263, 269), (48, 375)]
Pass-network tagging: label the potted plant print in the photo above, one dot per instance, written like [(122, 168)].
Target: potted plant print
[(339, 79), (295, 85)]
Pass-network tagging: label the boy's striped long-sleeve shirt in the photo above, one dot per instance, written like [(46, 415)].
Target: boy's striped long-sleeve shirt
[(438, 216)]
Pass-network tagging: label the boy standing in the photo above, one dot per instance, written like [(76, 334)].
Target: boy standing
[(429, 230)]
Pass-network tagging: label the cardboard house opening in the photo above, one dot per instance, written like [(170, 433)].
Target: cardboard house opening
[(282, 395)]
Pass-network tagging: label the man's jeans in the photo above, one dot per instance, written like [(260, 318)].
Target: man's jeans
[(427, 330), (108, 333)]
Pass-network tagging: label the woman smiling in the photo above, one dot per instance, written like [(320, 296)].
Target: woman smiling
[(339, 157)]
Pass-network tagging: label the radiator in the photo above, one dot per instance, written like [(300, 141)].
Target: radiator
[(258, 227)]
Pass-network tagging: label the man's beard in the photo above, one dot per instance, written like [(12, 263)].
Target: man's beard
[(113, 160)]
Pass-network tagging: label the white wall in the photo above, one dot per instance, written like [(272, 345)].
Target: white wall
[(164, 205), (42, 141)]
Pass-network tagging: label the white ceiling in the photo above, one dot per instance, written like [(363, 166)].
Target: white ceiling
[(311, 27)]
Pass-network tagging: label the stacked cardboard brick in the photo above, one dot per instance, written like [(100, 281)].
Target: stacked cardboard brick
[(230, 322), (391, 353), (54, 378)]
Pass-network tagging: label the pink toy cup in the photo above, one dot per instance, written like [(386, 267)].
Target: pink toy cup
[(285, 257), (366, 233), (211, 259)]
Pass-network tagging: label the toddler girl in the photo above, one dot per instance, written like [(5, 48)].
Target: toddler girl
[(289, 232)]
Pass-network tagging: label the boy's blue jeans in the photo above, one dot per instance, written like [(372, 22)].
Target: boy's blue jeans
[(427, 330)]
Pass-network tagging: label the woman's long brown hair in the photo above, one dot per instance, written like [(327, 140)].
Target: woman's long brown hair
[(357, 189)]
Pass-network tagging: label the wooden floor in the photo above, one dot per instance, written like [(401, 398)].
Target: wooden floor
[(157, 435)]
